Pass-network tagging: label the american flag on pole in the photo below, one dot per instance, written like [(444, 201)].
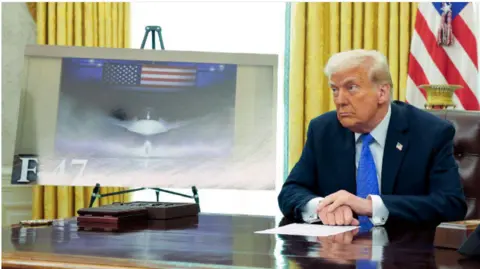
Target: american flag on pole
[(149, 75), (444, 50)]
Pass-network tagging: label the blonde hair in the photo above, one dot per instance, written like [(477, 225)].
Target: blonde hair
[(379, 72)]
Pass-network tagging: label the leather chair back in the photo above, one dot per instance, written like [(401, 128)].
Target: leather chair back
[(467, 154)]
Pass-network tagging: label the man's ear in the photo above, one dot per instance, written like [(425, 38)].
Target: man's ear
[(384, 92)]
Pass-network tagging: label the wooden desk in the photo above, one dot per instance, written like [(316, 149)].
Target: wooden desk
[(218, 241)]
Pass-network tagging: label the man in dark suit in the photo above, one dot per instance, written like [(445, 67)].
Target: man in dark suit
[(372, 159)]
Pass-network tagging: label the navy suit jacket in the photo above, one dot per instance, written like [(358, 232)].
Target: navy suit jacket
[(420, 183)]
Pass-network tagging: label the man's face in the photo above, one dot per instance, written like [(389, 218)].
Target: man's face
[(356, 98)]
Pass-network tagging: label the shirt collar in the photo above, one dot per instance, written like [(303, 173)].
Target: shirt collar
[(379, 133)]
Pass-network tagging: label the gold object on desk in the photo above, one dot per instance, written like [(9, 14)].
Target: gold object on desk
[(454, 234), (439, 96), (34, 223)]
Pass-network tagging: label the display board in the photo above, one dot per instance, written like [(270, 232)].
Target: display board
[(132, 117)]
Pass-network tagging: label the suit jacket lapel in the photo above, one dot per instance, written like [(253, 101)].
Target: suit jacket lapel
[(396, 145), (346, 168)]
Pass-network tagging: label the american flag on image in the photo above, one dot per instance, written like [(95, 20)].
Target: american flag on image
[(149, 75), (444, 51)]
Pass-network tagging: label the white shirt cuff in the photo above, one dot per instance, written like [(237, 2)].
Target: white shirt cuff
[(309, 212), (379, 211)]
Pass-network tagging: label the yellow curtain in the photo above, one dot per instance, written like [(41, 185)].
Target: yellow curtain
[(77, 24), (319, 30)]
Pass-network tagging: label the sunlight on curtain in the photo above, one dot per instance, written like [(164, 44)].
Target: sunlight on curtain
[(219, 27)]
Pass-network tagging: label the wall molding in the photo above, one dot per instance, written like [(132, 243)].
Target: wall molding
[(16, 199), (7, 177), (6, 174)]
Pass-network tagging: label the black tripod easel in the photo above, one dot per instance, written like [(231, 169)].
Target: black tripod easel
[(153, 29), (96, 191)]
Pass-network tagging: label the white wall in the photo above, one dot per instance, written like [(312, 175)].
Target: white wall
[(18, 29), (222, 27)]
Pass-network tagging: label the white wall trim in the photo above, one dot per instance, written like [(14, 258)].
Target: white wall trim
[(6, 174), (7, 177), (16, 199)]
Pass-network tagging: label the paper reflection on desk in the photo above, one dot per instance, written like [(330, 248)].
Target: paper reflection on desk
[(303, 229)]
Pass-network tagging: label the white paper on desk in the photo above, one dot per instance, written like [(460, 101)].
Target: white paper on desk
[(308, 229)]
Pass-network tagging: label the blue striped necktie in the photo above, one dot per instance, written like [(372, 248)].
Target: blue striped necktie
[(367, 182)]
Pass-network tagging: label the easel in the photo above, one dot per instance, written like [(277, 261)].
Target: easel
[(153, 29), (96, 191)]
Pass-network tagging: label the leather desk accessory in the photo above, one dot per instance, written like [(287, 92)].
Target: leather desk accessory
[(471, 247), (453, 234), (122, 226), (138, 215), (161, 210), (111, 214), (139, 225)]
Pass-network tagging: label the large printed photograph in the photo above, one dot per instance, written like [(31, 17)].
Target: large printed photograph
[(133, 109), (143, 123), (131, 123)]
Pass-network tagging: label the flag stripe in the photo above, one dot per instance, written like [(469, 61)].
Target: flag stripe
[(148, 75), (167, 79), (185, 68), (167, 83), (171, 76), (167, 70), (417, 76), (414, 96), (455, 63), (167, 76), (165, 86), (466, 38), (457, 55), (168, 73), (429, 69), (445, 65)]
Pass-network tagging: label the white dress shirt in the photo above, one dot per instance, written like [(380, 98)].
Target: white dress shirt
[(379, 211)]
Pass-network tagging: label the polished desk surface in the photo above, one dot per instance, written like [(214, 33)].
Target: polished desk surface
[(221, 241)]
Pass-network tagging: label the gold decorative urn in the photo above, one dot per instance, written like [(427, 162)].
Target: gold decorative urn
[(439, 96)]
